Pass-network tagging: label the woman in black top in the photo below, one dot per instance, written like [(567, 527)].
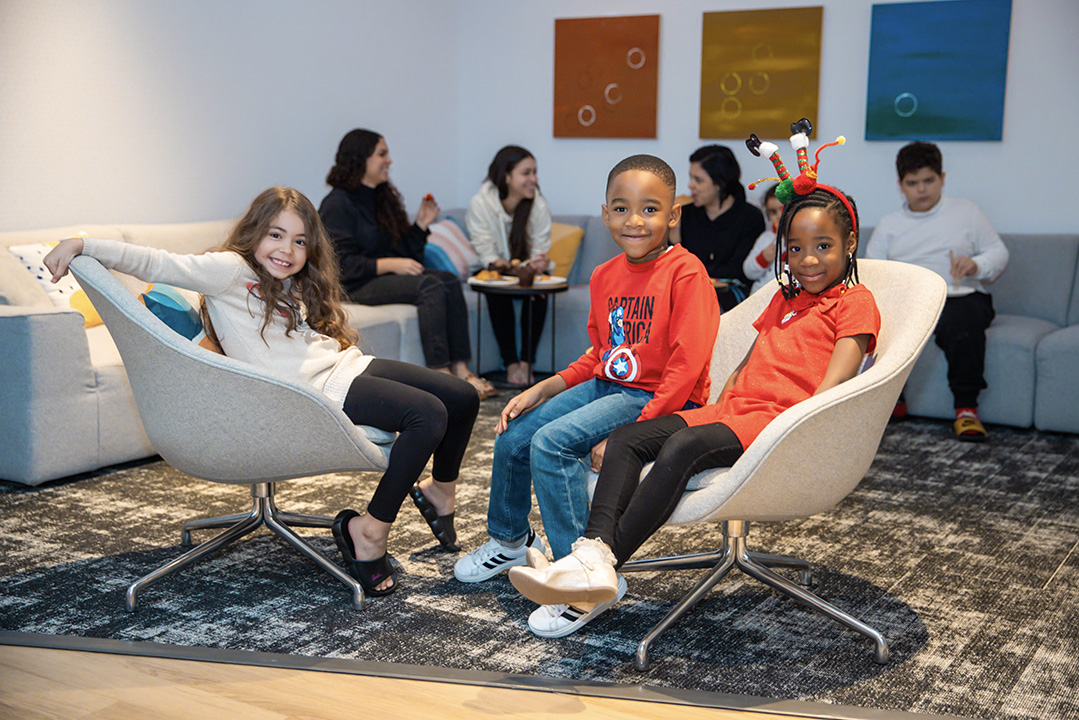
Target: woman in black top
[(720, 227), (381, 254)]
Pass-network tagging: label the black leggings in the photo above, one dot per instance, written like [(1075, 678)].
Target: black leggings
[(626, 512), (433, 412), (440, 305), (533, 313)]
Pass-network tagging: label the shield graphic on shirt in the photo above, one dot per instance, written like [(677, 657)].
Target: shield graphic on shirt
[(622, 365)]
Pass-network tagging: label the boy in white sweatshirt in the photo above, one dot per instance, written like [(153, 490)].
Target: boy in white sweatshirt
[(951, 237)]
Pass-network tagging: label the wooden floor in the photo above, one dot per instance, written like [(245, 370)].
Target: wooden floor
[(46, 683)]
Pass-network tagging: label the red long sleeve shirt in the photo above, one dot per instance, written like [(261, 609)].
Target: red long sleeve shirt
[(652, 326)]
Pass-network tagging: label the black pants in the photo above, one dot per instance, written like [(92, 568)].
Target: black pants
[(439, 303), (960, 334), (735, 292), (433, 412), (533, 313), (624, 512)]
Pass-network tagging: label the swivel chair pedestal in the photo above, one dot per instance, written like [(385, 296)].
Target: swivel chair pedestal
[(264, 511), (755, 564)]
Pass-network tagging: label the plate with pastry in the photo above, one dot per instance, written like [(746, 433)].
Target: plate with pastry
[(492, 278), (548, 280)]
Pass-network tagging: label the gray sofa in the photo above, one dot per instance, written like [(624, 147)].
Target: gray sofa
[(67, 405), (1032, 346), (68, 409)]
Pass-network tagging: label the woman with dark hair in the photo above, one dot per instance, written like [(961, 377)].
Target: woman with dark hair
[(509, 225), (720, 227), (381, 255)]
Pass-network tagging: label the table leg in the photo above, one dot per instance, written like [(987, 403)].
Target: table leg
[(554, 329), (479, 332), (526, 326)]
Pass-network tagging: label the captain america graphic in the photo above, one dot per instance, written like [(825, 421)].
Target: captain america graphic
[(620, 362)]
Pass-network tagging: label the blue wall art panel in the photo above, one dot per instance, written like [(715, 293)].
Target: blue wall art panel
[(937, 70)]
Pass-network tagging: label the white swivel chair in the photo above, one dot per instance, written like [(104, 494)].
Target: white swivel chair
[(842, 426), (222, 420)]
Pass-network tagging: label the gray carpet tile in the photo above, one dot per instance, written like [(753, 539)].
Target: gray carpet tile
[(963, 556)]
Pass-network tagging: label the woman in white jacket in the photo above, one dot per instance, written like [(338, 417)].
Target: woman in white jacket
[(508, 220)]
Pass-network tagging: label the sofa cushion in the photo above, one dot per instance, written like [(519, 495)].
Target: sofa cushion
[(1011, 344), (597, 248), (184, 238), (1056, 405), (1039, 277), (65, 293)]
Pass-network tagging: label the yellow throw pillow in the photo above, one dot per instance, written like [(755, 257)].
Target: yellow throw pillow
[(65, 293), (565, 239)]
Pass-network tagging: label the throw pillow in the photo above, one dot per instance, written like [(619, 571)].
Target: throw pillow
[(436, 258), (447, 236), (63, 294), (19, 287), (171, 307), (565, 239)]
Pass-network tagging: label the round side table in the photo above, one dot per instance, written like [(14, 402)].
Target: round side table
[(513, 289)]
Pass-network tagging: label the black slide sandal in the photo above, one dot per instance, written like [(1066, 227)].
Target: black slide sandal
[(441, 525), (369, 573)]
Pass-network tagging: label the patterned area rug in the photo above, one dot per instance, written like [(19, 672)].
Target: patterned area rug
[(962, 555)]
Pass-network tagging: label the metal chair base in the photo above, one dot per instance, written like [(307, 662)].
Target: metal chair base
[(263, 512), (735, 554)]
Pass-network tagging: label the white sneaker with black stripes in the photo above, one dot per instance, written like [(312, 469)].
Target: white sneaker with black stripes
[(493, 558), (555, 621)]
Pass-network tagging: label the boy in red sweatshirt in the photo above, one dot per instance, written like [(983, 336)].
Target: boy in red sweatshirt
[(652, 325)]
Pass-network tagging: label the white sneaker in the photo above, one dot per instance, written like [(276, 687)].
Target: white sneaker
[(555, 621), (493, 557), (586, 575)]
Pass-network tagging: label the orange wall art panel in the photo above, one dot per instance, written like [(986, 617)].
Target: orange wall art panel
[(759, 70), (606, 76)]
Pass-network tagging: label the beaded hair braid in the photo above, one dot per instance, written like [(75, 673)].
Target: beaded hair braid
[(802, 192)]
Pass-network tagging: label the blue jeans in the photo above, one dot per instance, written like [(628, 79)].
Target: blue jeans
[(549, 448)]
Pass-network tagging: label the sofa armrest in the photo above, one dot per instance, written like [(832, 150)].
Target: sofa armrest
[(48, 392)]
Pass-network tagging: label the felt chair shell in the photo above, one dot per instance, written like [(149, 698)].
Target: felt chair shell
[(228, 422)]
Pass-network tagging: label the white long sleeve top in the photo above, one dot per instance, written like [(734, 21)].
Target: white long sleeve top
[(234, 304), (489, 225), (925, 238), (755, 267)]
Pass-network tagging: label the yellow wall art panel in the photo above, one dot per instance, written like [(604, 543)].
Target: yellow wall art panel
[(759, 69)]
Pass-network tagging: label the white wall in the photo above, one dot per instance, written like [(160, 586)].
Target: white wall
[(160, 111), (156, 110), (507, 60)]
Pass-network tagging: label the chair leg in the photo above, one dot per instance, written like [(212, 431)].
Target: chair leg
[(273, 521), (263, 512), (210, 523), (785, 586), (301, 520), (247, 525), (293, 519), (686, 604), (754, 564), (696, 561), (805, 574)]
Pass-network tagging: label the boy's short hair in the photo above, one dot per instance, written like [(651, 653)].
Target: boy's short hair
[(917, 155), (647, 163)]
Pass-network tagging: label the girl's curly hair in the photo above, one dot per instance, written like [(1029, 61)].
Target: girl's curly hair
[(314, 293)]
